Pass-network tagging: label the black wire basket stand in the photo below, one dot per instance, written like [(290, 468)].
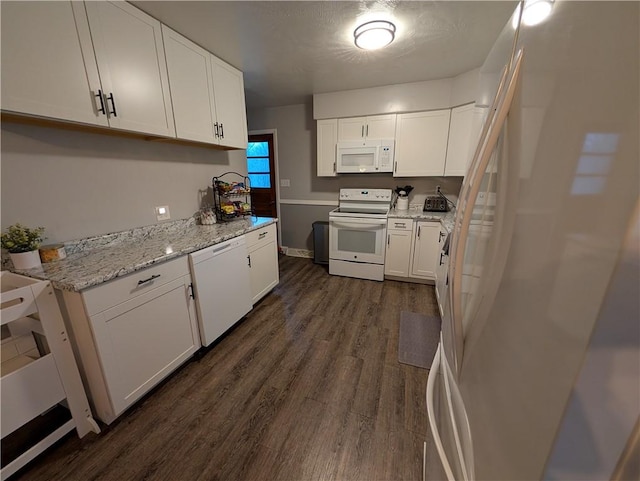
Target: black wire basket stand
[(231, 196)]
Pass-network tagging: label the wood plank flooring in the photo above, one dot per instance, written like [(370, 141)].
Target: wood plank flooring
[(307, 387)]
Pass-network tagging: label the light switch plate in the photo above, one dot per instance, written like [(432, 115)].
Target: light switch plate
[(285, 183), (162, 212)]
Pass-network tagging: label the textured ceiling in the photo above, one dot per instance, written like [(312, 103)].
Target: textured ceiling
[(291, 50)]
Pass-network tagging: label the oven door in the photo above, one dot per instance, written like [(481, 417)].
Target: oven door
[(357, 239)]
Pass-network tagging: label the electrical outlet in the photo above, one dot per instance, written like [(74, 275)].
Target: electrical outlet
[(162, 212), (285, 183), (437, 189)]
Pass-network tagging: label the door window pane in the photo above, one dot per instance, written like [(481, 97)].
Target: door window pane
[(258, 164), (258, 149), (260, 181)]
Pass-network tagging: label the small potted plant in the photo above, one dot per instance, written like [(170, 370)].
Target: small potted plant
[(22, 243)]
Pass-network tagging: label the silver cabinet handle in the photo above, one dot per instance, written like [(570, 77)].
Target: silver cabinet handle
[(362, 131), (144, 281), (249, 260), (261, 235), (419, 227), (367, 130), (400, 224), (388, 238)]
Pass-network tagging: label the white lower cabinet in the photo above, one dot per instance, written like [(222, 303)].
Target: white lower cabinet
[(412, 249), (132, 332), (425, 250), (398, 254), (262, 250)]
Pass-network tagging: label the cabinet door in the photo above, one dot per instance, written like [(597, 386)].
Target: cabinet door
[(133, 71), (381, 127), (425, 250), (460, 139), (48, 66), (144, 339), (263, 258), (398, 256), (189, 68), (351, 129), (441, 267), (421, 143), (231, 115), (327, 138)]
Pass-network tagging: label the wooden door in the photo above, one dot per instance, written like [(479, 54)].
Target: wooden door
[(262, 175)]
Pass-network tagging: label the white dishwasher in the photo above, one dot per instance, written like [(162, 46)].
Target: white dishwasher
[(222, 287)]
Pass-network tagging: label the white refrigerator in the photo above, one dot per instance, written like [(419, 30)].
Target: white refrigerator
[(538, 372)]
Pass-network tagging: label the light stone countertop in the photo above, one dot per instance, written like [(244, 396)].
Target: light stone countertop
[(415, 212), (95, 260)]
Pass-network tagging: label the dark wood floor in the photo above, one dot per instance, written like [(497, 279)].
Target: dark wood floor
[(307, 387)]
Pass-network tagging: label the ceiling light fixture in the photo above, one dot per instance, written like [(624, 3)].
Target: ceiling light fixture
[(375, 34), (535, 12)]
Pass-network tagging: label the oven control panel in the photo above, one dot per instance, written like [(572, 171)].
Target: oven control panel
[(376, 195)]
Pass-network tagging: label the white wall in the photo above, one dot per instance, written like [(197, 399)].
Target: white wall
[(407, 97), (79, 184)]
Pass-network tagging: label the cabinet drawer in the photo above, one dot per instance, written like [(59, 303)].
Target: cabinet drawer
[(112, 293), (261, 235), (400, 224)]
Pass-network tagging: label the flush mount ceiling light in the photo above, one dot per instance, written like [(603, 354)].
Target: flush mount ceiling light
[(535, 12), (375, 34)]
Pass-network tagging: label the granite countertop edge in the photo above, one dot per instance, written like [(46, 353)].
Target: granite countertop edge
[(446, 219), (96, 260)]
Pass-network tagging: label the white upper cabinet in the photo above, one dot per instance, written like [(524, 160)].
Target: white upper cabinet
[(231, 114), (421, 143), (48, 66), (190, 80), (373, 127), (207, 94), (462, 140), (130, 56), (327, 137)]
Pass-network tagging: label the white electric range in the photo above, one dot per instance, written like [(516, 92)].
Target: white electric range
[(357, 233)]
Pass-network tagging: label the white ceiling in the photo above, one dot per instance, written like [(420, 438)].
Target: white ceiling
[(290, 50)]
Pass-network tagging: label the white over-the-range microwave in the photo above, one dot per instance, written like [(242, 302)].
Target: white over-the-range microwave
[(362, 156)]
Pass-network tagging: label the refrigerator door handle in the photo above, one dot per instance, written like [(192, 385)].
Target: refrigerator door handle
[(431, 382)]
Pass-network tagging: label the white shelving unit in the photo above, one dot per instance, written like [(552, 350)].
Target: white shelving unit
[(42, 375)]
